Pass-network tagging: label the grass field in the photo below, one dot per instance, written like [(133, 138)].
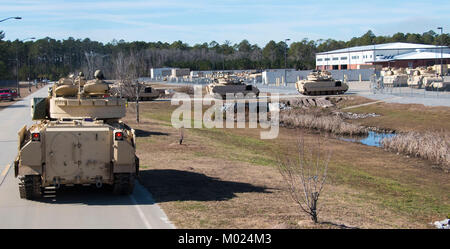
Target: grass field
[(404, 117), (228, 178)]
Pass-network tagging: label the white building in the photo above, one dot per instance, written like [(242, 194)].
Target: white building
[(366, 56), (180, 72), (160, 72), (282, 76)]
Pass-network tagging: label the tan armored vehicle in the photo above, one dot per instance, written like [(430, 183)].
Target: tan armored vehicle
[(431, 80), (77, 140), (145, 92), (224, 84), (426, 78), (415, 78), (438, 86), (395, 77), (320, 83)]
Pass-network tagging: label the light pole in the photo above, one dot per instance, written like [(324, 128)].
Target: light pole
[(285, 52), (17, 63), (442, 69), (285, 60), (13, 17)]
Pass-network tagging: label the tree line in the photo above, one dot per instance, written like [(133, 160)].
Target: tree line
[(51, 59)]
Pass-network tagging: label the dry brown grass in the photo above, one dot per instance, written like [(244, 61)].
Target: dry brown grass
[(226, 178), (405, 117), (432, 146), (299, 118)]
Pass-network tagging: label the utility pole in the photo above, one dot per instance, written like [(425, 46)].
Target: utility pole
[(442, 69), (285, 52), (285, 60), (137, 101), (17, 63)]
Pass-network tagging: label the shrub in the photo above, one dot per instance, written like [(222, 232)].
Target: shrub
[(433, 146), (318, 121)]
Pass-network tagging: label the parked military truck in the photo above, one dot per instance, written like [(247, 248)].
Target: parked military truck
[(320, 83), (225, 84), (78, 140)]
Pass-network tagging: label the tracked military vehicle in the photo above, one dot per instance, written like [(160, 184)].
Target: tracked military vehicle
[(78, 139), (146, 92), (395, 77), (432, 80), (440, 85), (427, 78), (320, 83), (415, 78), (225, 84)]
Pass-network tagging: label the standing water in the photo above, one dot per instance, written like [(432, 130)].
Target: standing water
[(373, 139)]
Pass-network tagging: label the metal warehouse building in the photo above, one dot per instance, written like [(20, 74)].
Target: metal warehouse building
[(397, 54)]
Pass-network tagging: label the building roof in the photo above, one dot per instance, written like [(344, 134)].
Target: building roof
[(416, 55), (385, 46)]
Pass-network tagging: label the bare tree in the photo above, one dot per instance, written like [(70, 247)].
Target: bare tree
[(306, 176), (95, 61), (127, 69)]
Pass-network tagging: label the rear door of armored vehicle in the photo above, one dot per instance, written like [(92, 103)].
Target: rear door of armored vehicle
[(78, 154)]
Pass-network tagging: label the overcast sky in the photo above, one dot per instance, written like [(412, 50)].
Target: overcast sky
[(196, 21)]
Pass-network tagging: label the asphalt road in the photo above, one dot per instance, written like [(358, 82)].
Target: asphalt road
[(71, 208)]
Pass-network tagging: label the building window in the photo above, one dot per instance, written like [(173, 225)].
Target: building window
[(336, 58), (344, 58), (327, 59), (319, 59)]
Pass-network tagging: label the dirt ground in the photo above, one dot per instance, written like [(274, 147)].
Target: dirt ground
[(24, 91), (228, 178)]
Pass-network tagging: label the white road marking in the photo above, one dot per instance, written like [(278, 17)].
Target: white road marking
[(141, 214), (4, 173)]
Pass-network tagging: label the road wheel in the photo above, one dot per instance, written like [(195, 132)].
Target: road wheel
[(123, 183), (30, 187)]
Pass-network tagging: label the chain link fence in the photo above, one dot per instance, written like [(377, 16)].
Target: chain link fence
[(377, 87)]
